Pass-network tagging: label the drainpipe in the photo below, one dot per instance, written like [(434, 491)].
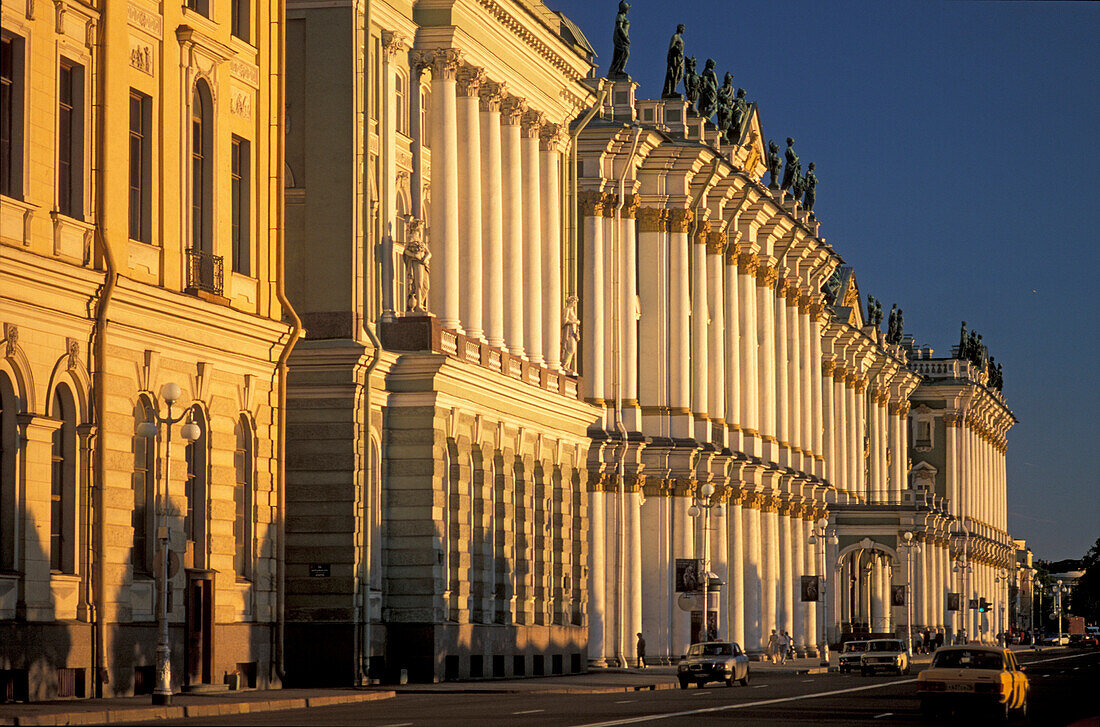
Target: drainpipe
[(571, 221), (364, 645), (99, 356), (275, 130)]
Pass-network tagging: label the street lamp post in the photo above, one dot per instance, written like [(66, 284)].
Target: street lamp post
[(1057, 592), (702, 507), (820, 531), (170, 392), (909, 546), (1001, 579)]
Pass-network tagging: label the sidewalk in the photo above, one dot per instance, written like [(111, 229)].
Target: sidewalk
[(121, 710)]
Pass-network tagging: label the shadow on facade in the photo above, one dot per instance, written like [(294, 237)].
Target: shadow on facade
[(35, 647)]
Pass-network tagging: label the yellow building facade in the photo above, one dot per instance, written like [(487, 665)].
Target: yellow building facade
[(139, 245)]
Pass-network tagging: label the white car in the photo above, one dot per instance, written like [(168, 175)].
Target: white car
[(1056, 640), (886, 655)]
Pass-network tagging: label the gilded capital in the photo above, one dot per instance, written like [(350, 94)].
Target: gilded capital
[(610, 203), (701, 232), (649, 219), (840, 374), (817, 311), (630, 206), (591, 203), (766, 275), (679, 220), (805, 302), (747, 263), (827, 368), (716, 243), (490, 96)]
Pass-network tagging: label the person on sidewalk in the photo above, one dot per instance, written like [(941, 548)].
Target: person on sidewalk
[(784, 646), (640, 650), (773, 647)]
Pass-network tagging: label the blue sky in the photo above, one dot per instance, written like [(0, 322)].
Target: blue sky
[(957, 150)]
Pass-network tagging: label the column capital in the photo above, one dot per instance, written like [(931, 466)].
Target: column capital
[(789, 291), (610, 203), (630, 206), (840, 374), (805, 302), (649, 219), (827, 368), (551, 137), (747, 263), (512, 109), (817, 311), (469, 79), (766, 274), (443, 62), (591, 203), (490, 95), (716, 243), (683, 486), (952, 419), (531, 123), (701, 232), (392, 44), (679, 220)]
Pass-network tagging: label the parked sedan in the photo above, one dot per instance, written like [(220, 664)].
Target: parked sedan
[(987, 678), (714, 661), (886, 655), (1056, 639), (850, 655)]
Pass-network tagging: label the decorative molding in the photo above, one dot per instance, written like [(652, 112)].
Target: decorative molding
[(141, 55), (240, 103), (244, 71), (520, 29), (392, 44), (443, 62), (139, 17)]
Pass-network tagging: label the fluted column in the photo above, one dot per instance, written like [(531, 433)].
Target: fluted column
[(735, 524), (794, 579), (550, 144), (492, 216), (592, 306), (755, 635), (786, 569), (716, 349), (532, 236), (628, 291), (766, 302), (749, 384), (731, 332), (511, 214), (445, 230), (699, 363), (679, 323), (392, 45), (597, 596), (809, 369), (794, 379), (468, 83), (782, 388)]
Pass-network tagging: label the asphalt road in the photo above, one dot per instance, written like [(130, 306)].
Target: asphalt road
[(1065, 689)]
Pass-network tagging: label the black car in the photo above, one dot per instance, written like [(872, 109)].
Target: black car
[(714, 661)]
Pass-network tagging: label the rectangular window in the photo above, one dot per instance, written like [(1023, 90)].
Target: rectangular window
[(140, 167), (198, 176), (11, 116), (239, 22), (70, 140), (57, 509), (241, 193), (202, 7)]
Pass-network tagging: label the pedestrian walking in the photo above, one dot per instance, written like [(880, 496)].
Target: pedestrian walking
[(784, 646), (773, 646), (640, 651)]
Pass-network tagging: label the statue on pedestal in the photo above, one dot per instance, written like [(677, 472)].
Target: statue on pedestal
[(621, 39), (809, 184), (738, 117), (899, 326), (774, 164), (793, 168), (870, 310), (798, 185), (417, 257), (892, 324), (725, 103), (691, 82), (708, 90), (675, 70), (570, 333), (878, 313), (963, 342)]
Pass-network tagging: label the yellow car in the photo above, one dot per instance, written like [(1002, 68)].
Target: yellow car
[(986, 678)]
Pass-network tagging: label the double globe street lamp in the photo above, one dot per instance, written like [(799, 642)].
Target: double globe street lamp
[(911, 548), (702, 507), (170, 392), (820, 531)]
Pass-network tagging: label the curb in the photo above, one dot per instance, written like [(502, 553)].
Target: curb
[(123, 715), (550, 690)]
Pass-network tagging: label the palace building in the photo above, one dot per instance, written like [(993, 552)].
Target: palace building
[(129, 261)]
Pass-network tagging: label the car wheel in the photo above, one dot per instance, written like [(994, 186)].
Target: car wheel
[(1023, 710), (744, 681), (729, 681), (1004, 713), (683, 684), (906, 671)]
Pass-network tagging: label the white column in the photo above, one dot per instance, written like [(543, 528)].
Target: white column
[(532, 237), (552, 301), (755, 636), (492, 214), (632, 590), (699, 363), (679, 323), (716, 349), (778, 309), (828, 422), (471, 264), (597, 597), (629, 302), (685, 548), (925, 583), (748, 386), (765, 330), (786, 570), (770, 546), (735, 524), (444, 234), (511, 214), (809, 369), (794, 578), (391, 46), (794, 380), (719, 558), (876, 602), (811, 565), (652, 329), (592, 304), (732, 342)]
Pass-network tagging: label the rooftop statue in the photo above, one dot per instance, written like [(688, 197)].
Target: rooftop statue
[(878, 313), (892, 324), (899, 326), (809, 183), (775, 163), (708, 90), (621, 39), (870, 310), (738, 117), (793, 168), (675, 70), (798, 185), (725, 103), (963, 341), (691, 82)]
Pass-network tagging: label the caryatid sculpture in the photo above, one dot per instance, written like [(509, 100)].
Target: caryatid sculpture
[(570, 333), (809, 186), (775, 163), (691, 82), (708, 90), (675, 71), (621, 39), (738, 116), (793, 168), (725, 103), (417, 259)]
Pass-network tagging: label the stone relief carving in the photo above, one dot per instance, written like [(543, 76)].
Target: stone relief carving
[(570, 333), (417, 260)]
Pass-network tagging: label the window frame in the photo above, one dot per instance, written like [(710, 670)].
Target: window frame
[(141, 188), (241, 214), (63, 469), (202, 168), (244, 466), (9, 457), (143, 549), (70, 138), (12, 101), (240, 19), (197, 488)]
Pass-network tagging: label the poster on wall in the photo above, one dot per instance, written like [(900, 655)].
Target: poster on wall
[(687, 575), (953, 602), (809, 589), (897, 595)]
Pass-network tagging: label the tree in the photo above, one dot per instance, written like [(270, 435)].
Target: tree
[(1086, 596)]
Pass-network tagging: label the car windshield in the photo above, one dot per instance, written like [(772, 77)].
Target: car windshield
[(711, 650), (855, 646), (885, 646), (967, 659)]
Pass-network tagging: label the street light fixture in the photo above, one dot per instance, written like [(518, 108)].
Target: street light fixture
[(820, 531), (701, 506), (1057, 592), (170, 392), (1001, 579), (909, 546)]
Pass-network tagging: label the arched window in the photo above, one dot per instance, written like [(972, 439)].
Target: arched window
[(63, 484), (196, 488), (242, 499), (144, 486), (202, 169), (9, 447)]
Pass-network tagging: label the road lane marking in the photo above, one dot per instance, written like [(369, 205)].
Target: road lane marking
[(530, 711), (398, 724), (744, 705), (884, 714), (807, 681), (625, 701), (759, 686)]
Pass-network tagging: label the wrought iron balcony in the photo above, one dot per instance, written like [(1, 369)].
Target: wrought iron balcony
[(204, 271)]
